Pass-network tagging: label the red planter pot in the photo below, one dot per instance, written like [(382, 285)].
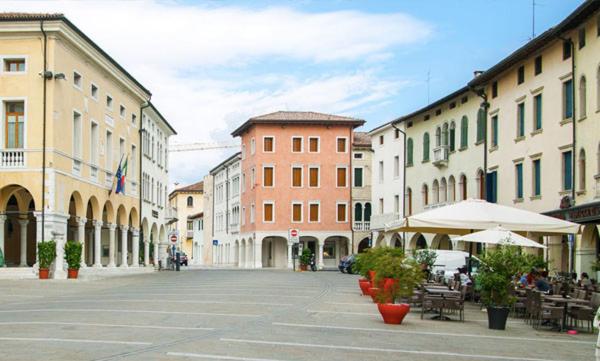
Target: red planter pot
[(364, 286), (372, 278), (393, 314), (72, 273), (373, 292), (44, 272), (389, 283)]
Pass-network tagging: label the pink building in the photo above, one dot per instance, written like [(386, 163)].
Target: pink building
[(296, 174)]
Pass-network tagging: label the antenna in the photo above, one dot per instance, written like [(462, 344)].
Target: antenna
[(533, 5), (428, 83)]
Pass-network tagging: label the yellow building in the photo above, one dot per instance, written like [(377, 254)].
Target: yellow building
[(187, 201), (70, 116)]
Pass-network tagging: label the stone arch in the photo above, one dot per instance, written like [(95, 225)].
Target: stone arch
[(443, 190), (480, 183), (462, 184), (417, 241), (146, 228), (76, 205), (274, 252), (451, 189), (108, 213), (363, 245), (19, 228), (122, 218), (425, 194), (242, 262), (134, 219), (380, 240), (236, 253), (396, 241), (435, 192), (93, 209), (441, 241), (582, 97), (22, 196), (334, 248)]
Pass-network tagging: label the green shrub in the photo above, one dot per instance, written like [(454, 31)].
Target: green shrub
[(404, 270), (367, 260), (425, 256), (46, 253), (73, 254), (305, 257)]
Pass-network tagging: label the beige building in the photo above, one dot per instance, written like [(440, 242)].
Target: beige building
[(187, 201), (69, 114), (362, 153)]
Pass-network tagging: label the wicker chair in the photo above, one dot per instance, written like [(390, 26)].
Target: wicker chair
[(585, 313), (456, 304), (432, 302)]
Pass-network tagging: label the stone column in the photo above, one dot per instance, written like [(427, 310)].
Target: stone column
[(59, 271), (23, 223), (81, 237), (258, 254), (124, 230), (2, 222), (289, 254), (146, 252), (112, 233), (249, 255), (97, 244), (135, 247), (90, 248), (156, 255), (320, 264), (240, 253)]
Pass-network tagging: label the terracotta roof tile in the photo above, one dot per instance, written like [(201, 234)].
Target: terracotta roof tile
[(362, 139), (196, 187)]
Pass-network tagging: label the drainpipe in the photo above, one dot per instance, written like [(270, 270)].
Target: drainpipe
[(485, 106), (351, 186), (44, 131), (403, 181), (141, 132)]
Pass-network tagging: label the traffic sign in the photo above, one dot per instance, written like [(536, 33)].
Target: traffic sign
[(294, 235), (174, 238), (215, 242)]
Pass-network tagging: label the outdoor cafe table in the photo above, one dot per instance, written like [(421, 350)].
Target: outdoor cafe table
[(444, 292), (565, 301)]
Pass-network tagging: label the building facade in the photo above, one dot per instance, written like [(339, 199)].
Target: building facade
[(295, 175), (197, 221), (187, 201), (207, 233), (70, 116), (226, 211), (362, 154)]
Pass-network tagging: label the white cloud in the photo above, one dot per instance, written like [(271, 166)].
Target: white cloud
[(180, 52)]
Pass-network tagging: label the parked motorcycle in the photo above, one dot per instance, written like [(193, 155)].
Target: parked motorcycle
[(313, 264)]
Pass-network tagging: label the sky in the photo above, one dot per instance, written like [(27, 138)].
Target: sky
[(211, 65)]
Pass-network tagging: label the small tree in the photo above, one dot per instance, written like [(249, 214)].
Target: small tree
[(367, 260), (404, 271), (425, 257), (1, 259), (46, 253), (305, 257), (73, 254)]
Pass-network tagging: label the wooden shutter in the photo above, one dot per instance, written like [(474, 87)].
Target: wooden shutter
[(314, 177), (268, 177), (341, 177), (297, 145), (341, 145), (297, 212), (341, 213), (268, 144), (314, 145), (268, 210), (296, 177), (314, 213)]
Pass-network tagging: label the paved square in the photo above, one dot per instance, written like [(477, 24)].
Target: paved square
[(247, 315)]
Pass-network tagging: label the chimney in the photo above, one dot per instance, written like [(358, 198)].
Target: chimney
[(477, 73)]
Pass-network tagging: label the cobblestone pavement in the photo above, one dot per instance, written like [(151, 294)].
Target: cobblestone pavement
[(262, 315)]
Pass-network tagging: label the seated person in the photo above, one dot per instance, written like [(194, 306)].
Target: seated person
[(541, 283), (585, 280), (522, 283), (464, 278)]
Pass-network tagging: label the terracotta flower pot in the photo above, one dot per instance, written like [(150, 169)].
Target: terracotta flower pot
[(72, 273), (364, 286), (393, 313), (44, 272), (303, 267)]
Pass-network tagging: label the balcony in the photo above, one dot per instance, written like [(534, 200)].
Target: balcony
[(171, 214), (362, 226), (190, 234), (12, 158), (440, 156)]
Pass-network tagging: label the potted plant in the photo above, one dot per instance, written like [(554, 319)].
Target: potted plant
[(363, 265), (46, 255), (400, 276), (494, 279), (73, 258), (426, 259), (305, 259), (596, 268), (1, 259)]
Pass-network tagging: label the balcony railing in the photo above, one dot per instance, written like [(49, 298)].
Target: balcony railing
[(362, 226), (440, 156), (190, 234), (12, 158), (171, 212)]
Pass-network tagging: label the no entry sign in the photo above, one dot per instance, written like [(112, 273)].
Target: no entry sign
[(174, 238), (294, 235)]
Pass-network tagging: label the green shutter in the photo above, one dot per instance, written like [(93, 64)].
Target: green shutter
[(426, 147), (537, 177), (519, 170), (538, 111), (464, 132), (521, 116), (567, 171), (409, 151), (568, 89)]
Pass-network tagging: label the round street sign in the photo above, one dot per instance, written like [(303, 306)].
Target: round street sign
[(294, 233), (174, 238)]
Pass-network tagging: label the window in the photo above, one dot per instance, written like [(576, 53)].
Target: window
[(14, 65), (297, 212), (380, 205), (495, 131), (358, 177), (341, 145), (313, 145), (296, 176), (122, 111), (480, 125), (268, 177), (358, 212), (425, 194), (581, 37), (409, 200), (519, 181), (380, 141), (426, 147), (537, 177), (396, 166), (342, 177), (409, 152), (268, 215), (268, 144), (582, 98), (133, 158), (121, 148), (14, 124), (297, 144), (521, 120), (438, 136), (313, 212), (94, 135), (452, 136), (396, 133), (567, 170), (190, 201), (133, 119), (494, 89), (77, 141), (581, 161), (380, 171), (438, 111), (94, 91), (538, 64), (77, 81), (252, 177), (109, 102), (568, 99), (358, 156), (109, 150), (341, 213), (492, 187), (537, 112), (397, 204), (521, 74), (566, 50), (313, 177), (464, 132), (252, 213), (252, 146)]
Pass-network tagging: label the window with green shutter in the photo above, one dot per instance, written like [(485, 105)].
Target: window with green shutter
[(425, 147), (537, 108), (409, 152), (567, 170), (480, 125), (519, 180), (495, 131), (537, 177), (464, 132), (521, 120), (568, 99), (452, 136)]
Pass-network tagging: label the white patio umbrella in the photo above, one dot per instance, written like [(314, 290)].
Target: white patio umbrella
[(476, 215), (498, 235)]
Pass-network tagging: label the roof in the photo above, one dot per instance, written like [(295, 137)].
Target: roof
[(196, 187), (162, 118), (196, 215), (15, 16), (573, 20), (433, 105), (361, 139), (236, 155), (296, 117)]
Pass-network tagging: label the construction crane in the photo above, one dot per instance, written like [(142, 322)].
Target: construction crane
[(190, 147)]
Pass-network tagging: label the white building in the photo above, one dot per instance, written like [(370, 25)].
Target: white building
[(226, 213), (362, 154), (196, 223), (154, 173)]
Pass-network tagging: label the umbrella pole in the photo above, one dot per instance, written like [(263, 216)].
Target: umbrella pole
[(470, 255)]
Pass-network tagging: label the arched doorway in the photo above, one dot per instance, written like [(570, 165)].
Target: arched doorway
[(274, 252), (396, 241), (417, 242), (363, 245), (441, 241), (19, 229), (334, 248)]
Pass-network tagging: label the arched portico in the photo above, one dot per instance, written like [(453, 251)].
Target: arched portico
[(333, 249), (363, 245), (18, 228), (441, 241), (418, 241), (274, 252)]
